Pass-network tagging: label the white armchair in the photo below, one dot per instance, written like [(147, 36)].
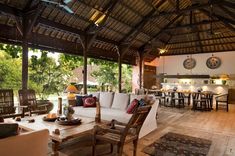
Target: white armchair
[(26, 144)]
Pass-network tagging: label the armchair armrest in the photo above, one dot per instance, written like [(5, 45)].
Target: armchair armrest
[(221, 96), (98, 129), (115, 122)]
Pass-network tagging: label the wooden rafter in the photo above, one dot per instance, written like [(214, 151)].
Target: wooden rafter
[(161, 31), (192, 25), (107, 10), (187, 9), (226, 22), (138, 27), (207, 39), (228, 12), (210, 44)]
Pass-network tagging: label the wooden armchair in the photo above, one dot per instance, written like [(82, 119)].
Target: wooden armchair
[(28, 98), (222, 100), (7, 108), (118, 133)]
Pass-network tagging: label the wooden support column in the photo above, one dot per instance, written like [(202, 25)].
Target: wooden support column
[(24, 55), (25, 65), (141, 55), (85, 51), (119, 73)]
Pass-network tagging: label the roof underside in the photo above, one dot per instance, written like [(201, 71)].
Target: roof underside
[(179, 27)]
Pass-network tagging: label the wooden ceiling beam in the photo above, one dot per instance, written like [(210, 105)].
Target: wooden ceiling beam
[(187, 9), (198, 52), (227, 22), (208, 39), (43, 42), (229, 4), (161, 31), (107, 10), (192, 25), (228, 12), (129, 37), (204, 45), (201, 31), (196, 29)]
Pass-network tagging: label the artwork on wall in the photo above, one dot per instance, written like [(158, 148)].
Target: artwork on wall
[(213, 62), (189, 63)]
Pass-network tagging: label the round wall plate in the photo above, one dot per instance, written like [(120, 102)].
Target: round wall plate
[(213, 62), (189, 63)]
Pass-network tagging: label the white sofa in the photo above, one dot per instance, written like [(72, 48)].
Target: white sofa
[(26, 144), (114, 106)]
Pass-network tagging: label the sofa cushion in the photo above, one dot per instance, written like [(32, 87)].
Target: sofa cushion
[(8, 129), (87, 112), (119, 115), (79, 101), (132, 106), (96, 94), (89, 101), (106, 99), (138, 97), (120, 101)]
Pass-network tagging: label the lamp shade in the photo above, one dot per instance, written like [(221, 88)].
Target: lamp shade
[(71, 89)]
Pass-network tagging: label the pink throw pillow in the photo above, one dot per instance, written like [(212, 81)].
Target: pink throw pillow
[(89, 102), (132, 107)]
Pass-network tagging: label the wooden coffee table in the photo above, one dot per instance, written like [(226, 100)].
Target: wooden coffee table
[(66, 132)]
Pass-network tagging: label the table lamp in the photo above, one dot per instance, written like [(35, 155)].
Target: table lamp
[(71, 90)]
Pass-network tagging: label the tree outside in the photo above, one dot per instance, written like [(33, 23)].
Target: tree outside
[(49, 75)]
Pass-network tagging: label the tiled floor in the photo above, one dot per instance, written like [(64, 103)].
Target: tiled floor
[(216, 126)]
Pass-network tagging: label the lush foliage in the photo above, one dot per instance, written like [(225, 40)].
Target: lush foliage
[(51, 76), (10, 73), (107, 74), (48, 75)]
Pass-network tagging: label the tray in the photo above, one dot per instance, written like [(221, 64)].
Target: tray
[(49, 119), (69, 122)]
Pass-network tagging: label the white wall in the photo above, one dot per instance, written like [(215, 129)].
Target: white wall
[(174, 64)]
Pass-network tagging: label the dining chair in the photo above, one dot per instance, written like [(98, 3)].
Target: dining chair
[(179, 98), (28, 98), (198, 101), (222, 100), (117, 133)]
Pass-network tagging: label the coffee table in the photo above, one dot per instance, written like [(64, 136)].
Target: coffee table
[(66, 132)]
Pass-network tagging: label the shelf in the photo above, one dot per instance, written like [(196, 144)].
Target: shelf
[(185, 76), (177, 84)]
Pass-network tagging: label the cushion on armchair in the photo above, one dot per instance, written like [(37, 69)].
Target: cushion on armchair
[(132, 106), (8, 129)]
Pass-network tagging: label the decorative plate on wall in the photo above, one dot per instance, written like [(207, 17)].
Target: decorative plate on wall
[(213, 62), (189, 63)]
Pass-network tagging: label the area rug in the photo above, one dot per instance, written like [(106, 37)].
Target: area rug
[(173, 144)]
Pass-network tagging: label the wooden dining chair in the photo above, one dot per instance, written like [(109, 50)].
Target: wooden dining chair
[(28, 98), (7, 108), (118, 133), (222, 100), (178, 97)]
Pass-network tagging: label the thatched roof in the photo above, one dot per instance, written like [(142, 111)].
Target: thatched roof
[(179, 26)]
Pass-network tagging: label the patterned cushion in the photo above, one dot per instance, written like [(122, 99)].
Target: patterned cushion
[(79, 101), (89, 101), (142, 102), (132, 106)]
